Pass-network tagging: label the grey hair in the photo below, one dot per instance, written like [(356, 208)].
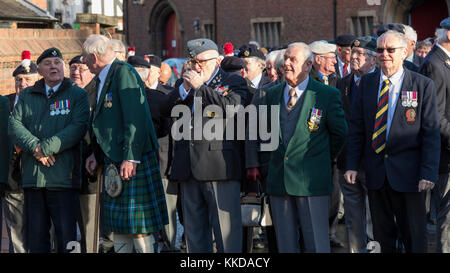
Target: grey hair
[(99, 45), (118, 45), (271, 56), (307, 53), (401, 37), (410, 33), (143, 72), (258, 61), (441, 35), (276, 57)]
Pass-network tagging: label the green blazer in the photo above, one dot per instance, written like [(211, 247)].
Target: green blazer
[(5, 147), (125, 130), (304, 167)]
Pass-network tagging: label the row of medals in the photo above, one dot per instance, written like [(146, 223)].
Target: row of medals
[(108, 101), (62, 111), (409, 103), (314, 121)]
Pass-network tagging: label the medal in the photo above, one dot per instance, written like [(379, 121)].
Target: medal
[(63, 112), (314, 121), (57, 112), (414, 99), (404, 99), (52, 109), (109, 104)]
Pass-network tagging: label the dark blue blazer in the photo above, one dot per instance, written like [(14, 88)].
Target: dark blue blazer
[(412, 149)]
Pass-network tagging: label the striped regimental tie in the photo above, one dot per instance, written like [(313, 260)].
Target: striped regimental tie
[(292, 100), (379, 130)]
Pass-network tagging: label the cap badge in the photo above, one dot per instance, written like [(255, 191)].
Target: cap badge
[(246, 53), (54, 53), (356, 43)]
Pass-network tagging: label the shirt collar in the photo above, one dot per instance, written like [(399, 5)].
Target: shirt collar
[(299, 88), (102, 75), (154, 86), (256, 80), (55, 88), (410, 58), (394, 79), (445, 50)]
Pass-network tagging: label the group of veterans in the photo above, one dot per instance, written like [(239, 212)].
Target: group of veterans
[(364, 135)]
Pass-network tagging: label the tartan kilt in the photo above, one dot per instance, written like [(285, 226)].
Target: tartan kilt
[(141, 207)]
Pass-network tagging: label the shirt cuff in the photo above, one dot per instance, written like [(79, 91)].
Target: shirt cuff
[(183, 92), (134, 161)]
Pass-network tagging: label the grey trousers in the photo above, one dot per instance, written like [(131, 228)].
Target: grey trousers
[(443, 214), (170, 230), (289, 213), (336, 204), (15, 219), (357, 215), (212, 207), (87, 222)]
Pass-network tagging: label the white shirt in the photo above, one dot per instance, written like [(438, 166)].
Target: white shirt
[(395, 85), (299, 89), (55, 88), (255, 82), (154, 86), (445, 50), (102, 76)]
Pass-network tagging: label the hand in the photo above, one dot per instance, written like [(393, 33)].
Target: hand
[(38, 152), (91, 164), (47, 161), (193, 79), (425, 185), (253, 174), (350, 176), (127, 170)]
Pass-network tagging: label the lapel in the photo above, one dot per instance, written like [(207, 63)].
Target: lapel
[(372, 97), (217, 80), (397, 119), (105, 87), (442, 56)]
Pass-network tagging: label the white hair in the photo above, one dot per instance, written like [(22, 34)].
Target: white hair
[(441, 35), (255, 43), (410, 33), (398, 35), (118, 46), (99, 45), (271, 56), (307, 53), (143, 72)]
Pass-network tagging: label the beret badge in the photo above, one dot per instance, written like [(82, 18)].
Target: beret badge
[(356, 43), (246, 53)]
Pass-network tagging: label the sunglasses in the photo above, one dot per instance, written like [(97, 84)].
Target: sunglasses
[(389, 50)]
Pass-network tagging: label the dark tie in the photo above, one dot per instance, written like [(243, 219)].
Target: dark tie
[(50, 92), (379, 130), (345, 72)]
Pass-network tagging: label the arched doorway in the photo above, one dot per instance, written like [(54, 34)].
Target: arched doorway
[(166, 32)]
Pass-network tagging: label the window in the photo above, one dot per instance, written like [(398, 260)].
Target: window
[(267, 31), (209, 31), (362, 25)]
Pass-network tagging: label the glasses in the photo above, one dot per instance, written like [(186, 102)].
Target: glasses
[(389, 49), (201, 63)]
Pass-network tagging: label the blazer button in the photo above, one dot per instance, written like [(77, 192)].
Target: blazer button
[(386, 156), (286, 158)]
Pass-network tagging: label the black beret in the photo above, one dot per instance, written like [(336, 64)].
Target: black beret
[(138, 61), (246, 51), (23, 69), (394, 26), (153, 60), (345, 39), (198, 46), (232, 63), (367, 42), (76, 60), (50, 53)]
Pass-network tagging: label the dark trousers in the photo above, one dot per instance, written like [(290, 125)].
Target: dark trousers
[(398, 215), (43, 207)]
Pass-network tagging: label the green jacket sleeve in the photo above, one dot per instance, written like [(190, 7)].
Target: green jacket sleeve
[(18, 133), (336, 124), (74, 132), (5, 150)]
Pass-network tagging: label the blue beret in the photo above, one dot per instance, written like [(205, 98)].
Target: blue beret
[(232, 63), (49, 53), (445, 23), (198, 46), (344, 39), (138, 61), (367, 42)]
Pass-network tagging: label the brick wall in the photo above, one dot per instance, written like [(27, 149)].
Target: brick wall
[(14, 41), (303, 20)]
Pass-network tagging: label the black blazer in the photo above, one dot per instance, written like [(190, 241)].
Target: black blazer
[(332, 78), (208, 160), (437, 67), (412, 149)]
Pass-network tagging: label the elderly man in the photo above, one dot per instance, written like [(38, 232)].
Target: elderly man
[(274, 61), (149, 69), (423, 48), (25, 75), (119, 49), (362, 61), (209, 170), (255, 65), (324, 61), (165, 73), (48, 123), (395, 124), (134, 205), (300, 197), (437, 67), (411, 38), (343, 46)]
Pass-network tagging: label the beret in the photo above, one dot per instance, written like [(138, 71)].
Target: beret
[(26, 66), (367, 42), (246, 51), (153, 60), (76, 60), (232, 63), (198, 46), (50, 53), (394, 26), (344, 39), (445, 23), (322, 47), (138, 61)]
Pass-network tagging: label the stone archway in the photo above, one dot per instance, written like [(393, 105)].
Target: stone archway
[(160, 13), (397, 11)]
